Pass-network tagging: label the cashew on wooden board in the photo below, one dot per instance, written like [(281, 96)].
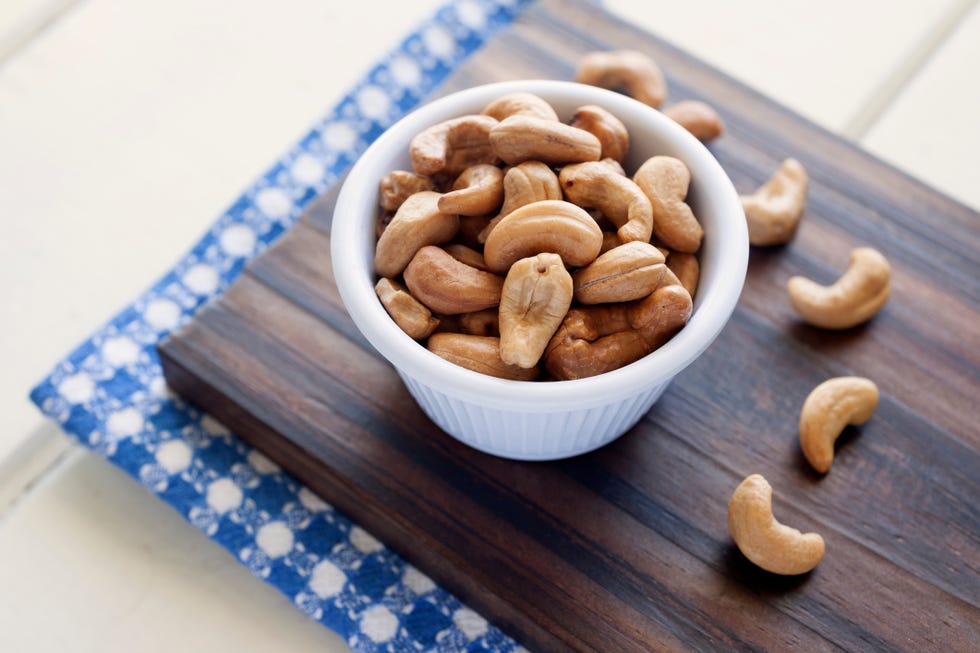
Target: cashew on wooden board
[(828, 409), (854, 298)]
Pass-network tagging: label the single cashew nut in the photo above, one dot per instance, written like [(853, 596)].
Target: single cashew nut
[(520, 103), (531, 181), (624, 273), (525, 138), (763, 540), (687, 268), (549, 226), (536, 296), (661, 314), (408, 313), (480, 323), (665, 180), (598, 185), (398, 185), (593, 340), (478, 353), (466, 255), (478, 190), (418, 222), (859, 293), (773, 212), (452, 146), (698, 118), (448, 286), (610, 130), (830, 407), (629, 70)]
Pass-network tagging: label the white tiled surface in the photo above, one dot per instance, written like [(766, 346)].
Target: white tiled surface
[(127, 126)]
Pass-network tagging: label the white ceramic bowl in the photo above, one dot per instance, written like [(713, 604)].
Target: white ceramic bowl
[(541, 420)]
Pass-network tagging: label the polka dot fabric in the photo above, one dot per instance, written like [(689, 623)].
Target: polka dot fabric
[(110, 394)]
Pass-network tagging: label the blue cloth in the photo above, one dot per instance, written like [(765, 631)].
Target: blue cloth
[(110, 394)]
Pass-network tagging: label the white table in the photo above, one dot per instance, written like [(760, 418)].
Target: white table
[(126, 127)]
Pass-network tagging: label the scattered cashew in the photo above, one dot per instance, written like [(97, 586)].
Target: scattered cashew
[(687, 268), (610, 130), (854, 298), (629, 70), (448, 286), (598, 185), (536, 295), (624, 273), (830, 407), (524, 138), (418, 222), (453, 145), (478, 353), (763, 540), (698, 118), (547, 226), (410, 314), (520, 103), (399, 185), (665, 181), (477, 191), (773, 212)]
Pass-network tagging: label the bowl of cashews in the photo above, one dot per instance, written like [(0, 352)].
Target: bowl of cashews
[(538, 260)]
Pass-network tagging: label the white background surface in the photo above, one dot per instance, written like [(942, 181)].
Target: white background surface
[(126, 127)]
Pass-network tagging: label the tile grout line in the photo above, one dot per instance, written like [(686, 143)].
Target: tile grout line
[(887, 90), (18, 36)]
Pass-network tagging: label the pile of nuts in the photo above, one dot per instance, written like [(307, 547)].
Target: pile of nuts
[(518, 246)]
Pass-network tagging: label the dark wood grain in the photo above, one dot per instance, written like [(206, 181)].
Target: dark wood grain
[(626, 548)]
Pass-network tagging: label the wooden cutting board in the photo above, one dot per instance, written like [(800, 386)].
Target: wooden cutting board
[(627, 548)]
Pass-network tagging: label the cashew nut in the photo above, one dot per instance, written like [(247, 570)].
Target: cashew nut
[(478, 353), (687, 268), (477, 191), (665, 181), (597, 185), (609, 129), (773, 212), (453, 145), (399, 185), (466, 255), (547, 226), (629, 70), (448, 286), (536, 295), (408, 313), (418, 222), (830, 407), (855, 297), (698, 118), (524, 138), (624, 273), (763, 540), (520, 103), (480, 323)]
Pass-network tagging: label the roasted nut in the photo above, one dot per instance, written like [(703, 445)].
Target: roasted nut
[(698, 118), (480, 323), (665, 181), (418, 222), (773, 212), (597, 185), (536, 295), (527, 138), (687, 268), (448, 286), (662, 313), (478, 190), (478, 353), (855, 297), (629, 70), (531, 181), (549, 226), (520, 103), (408, 313), (466, 255), (470, 228), (624, 273), (830, 407), (763, 540), (398, 185), (609, 129), (453, 145)]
